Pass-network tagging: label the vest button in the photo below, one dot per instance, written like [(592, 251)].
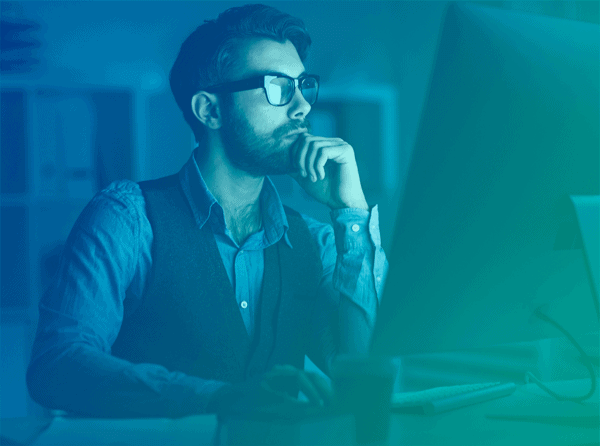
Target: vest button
[(244, 304)]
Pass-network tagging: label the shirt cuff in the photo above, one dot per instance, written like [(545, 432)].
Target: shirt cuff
[(357, 238), (356, 229)]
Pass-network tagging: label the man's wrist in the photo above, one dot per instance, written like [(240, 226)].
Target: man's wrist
[(358, 205)]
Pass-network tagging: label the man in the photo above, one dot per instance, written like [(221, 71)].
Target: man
[(185, 294)]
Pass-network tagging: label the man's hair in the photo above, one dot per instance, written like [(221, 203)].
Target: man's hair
[(208, 54)]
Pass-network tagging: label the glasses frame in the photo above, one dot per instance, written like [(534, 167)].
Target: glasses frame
[(262, 82)]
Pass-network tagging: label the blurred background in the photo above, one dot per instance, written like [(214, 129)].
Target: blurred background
[(85, 101)]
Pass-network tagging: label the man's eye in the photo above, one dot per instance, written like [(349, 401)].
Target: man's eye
[(275, 93)]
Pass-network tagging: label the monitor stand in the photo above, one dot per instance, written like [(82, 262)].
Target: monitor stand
[(587, 212)]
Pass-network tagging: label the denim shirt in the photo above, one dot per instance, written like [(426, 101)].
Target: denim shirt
[(107, 260)]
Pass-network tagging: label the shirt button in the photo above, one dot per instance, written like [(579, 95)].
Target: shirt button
[(378, 278), (355, 228), (241, 251), (244, 304)]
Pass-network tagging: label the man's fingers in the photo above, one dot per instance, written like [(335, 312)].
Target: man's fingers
[(316, 389), (309, 389), (316, 148), (273, 393), (325, 155), (301, 155), (331, 152), (322, 385), (320, 165), (283, 370), (306, 145), (318, 154)]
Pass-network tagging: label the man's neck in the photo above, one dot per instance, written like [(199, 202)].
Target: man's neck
[(237, 192)]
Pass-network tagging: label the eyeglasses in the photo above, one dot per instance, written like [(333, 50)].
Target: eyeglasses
[(279, 88)]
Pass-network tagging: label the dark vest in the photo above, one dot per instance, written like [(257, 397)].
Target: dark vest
[(189, 320)]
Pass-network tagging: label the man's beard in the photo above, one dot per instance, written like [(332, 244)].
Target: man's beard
[(258, 155)]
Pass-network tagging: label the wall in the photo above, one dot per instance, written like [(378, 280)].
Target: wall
[(135, 43)]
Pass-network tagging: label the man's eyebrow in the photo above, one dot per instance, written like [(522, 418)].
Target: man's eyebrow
[(278, 73)]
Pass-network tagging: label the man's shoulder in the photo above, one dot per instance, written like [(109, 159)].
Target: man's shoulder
[(126, 192), (118, 205), (124, 186), (120, 199)]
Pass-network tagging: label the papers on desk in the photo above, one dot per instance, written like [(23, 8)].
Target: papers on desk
[(194, 430), (535, 406)]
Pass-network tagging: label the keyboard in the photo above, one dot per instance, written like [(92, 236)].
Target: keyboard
[(441, 399)]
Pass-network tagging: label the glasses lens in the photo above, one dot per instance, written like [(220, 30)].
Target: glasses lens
[(310, 88), (280, 90)]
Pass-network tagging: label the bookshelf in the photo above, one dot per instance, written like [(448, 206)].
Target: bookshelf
[(59, 146)]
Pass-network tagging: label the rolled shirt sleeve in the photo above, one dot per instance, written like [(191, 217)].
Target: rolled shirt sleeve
[(105, 259), (361, 264), (354, 272)]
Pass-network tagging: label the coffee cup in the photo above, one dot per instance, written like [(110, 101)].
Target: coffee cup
[(363, 386)]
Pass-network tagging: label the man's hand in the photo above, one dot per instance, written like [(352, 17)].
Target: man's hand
[(314, 386), (270, 390), (327, 171)]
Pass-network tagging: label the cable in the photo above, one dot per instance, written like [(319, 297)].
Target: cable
[(585, 359)]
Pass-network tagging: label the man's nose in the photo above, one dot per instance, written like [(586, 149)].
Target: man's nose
[(299, 107)]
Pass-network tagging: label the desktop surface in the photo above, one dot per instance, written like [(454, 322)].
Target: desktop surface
[(528, 416)]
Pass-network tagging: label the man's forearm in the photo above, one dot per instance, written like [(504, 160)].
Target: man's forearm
[(82, 380), (356, 329), (360, 268)]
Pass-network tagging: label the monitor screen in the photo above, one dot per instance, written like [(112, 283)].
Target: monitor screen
[(485, 230)]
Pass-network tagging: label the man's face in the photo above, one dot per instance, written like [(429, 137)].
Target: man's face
[(254, 132)]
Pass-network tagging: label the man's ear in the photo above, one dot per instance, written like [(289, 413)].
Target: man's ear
[(206, 109)]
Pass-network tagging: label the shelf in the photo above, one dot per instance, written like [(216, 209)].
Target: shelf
[(65, 144), (14, 262), (60, 145), (13, 144)]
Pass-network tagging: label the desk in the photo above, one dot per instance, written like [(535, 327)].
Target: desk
[(474, 425), (194, 430), (466, 426)]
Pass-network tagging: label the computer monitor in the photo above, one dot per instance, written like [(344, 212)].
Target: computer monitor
[(485, 231)]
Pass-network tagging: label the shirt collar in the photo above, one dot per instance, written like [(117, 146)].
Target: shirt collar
[(203, 203)]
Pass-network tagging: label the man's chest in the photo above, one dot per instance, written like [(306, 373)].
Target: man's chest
[(242, 227)]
